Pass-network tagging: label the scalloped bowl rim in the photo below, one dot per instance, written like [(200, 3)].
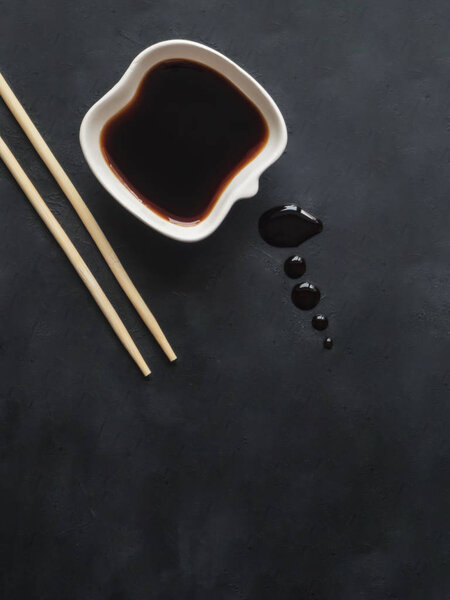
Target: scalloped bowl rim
[(243, 185)]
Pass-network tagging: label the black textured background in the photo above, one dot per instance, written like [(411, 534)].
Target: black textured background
[(260, 466)]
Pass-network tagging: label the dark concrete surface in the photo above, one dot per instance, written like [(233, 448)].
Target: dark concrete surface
[(260, 466)]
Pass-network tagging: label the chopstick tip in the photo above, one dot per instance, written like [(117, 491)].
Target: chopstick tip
[(170, 354)]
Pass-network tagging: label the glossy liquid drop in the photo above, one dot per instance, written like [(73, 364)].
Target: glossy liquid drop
[(183, 136), (328, 343), (288, 226), (320, 322), (295, 267), (305, 295)]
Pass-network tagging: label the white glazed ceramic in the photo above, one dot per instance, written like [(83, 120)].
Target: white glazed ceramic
[(245, 182)]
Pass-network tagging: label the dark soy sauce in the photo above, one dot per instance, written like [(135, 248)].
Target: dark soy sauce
[(185, 134), (328, 343), (295, 266), (288, 226), (320, 322), (305, 295)]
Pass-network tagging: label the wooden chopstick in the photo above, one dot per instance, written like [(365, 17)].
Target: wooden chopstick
[(85, 215), (72, 254)]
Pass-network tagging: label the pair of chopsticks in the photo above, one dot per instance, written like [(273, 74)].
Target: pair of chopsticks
[(91, 225)]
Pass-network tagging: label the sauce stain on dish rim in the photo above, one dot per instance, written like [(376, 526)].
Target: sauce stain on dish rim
[(217, 140)]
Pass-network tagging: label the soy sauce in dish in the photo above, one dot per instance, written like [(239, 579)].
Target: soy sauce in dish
[(184, 135)]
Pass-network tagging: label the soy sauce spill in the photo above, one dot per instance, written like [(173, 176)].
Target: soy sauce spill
[(184, 135), (328, 343), (320, 322), (295, 267), (305, 295), (288, 226)]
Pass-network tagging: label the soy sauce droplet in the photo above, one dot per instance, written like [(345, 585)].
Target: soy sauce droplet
[(305, 295), (295, 266), (288, 226), (320, 322), (328, 343)]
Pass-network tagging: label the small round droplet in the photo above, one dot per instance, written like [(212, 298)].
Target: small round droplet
[(295, 267), (328, 343), (305, 295), (320, 322)]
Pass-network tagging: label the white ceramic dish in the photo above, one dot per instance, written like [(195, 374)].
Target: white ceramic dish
[(243, 185)]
